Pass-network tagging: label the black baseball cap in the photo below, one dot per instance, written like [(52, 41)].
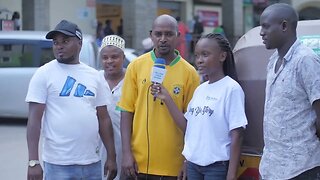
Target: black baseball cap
[(67, 28)]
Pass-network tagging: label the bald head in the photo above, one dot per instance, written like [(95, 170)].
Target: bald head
[(165, 20), (164, 36), (278, 27), (282, 12)]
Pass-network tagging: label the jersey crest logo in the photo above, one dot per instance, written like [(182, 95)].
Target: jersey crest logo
[(144, 81), (176, 90)]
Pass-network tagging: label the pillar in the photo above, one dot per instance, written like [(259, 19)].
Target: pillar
[(232, 19), (138, 16)]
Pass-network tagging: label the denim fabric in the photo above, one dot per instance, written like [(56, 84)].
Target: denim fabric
[(215, 171), (72, 172), (149, 177)]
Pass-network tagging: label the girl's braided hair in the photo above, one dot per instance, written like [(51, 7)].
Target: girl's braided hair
[(229, 68)]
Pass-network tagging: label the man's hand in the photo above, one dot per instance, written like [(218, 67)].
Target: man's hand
[(183, 172), (36, 111), (129, 166), (316, 107), (35, 173), (110, 169)]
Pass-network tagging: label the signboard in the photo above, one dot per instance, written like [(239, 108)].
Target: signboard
[(7, 25), (208, 18)]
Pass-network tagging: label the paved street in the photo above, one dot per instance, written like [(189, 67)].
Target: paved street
[(13, 149)]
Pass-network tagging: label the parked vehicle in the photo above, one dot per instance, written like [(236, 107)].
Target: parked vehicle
[(21, 53), (251, 59)]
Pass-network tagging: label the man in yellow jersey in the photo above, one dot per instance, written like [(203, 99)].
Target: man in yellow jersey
[(152, 142)]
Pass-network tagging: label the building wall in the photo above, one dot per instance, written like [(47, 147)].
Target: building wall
[(41, 15), (300, 4), (233, 20), (7, 7), (138, 17), (109, 12), (81, 12), (307, 9), (11, 5), (45, 14), (28, 14)]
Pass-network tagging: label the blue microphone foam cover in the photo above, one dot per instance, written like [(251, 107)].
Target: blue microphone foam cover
[(160, 63)]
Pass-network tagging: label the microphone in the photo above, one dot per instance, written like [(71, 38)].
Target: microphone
[(158, 72)]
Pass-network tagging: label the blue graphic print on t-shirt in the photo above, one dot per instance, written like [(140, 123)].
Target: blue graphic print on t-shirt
[(81, 90)]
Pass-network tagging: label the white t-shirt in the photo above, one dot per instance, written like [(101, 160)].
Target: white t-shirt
[(114, 97), (215, 110), (70, 125)]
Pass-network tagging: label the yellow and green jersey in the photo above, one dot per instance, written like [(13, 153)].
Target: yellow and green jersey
[(155, 137)]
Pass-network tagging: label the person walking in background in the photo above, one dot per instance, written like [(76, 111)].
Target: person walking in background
[(112, 58), (215, 118), (182, 43), (292, 107), (16, 19), (196, 34), (99, 34), (67, 103), (108, 29), (120, 28), (197, 27), (219, 30), (151, 141)]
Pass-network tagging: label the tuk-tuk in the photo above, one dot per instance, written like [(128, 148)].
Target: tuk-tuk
[(251, 59)]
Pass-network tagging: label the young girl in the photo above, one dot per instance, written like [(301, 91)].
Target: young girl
[(215, 119)]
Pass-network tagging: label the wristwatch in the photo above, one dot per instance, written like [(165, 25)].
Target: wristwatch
[(33, 163)]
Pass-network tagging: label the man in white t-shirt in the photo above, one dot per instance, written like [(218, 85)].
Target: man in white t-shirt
[(67, 103)]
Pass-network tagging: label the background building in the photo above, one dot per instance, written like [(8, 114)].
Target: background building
[(137, 16)]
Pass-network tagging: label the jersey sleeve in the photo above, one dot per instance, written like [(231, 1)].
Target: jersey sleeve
[(129, 90), (37, 91), (102, 95), (309, 73)]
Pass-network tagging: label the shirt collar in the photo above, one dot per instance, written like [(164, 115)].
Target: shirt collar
[(291, 51), (153, 56)]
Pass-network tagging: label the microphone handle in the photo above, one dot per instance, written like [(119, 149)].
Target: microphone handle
[(155, 96)]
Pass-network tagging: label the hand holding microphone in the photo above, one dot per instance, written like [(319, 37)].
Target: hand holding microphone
[(157, 75), (158, 91)]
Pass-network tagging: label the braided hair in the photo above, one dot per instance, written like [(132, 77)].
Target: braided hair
[(229, 68)]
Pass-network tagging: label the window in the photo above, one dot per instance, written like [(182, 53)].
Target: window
[(23, 53)]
